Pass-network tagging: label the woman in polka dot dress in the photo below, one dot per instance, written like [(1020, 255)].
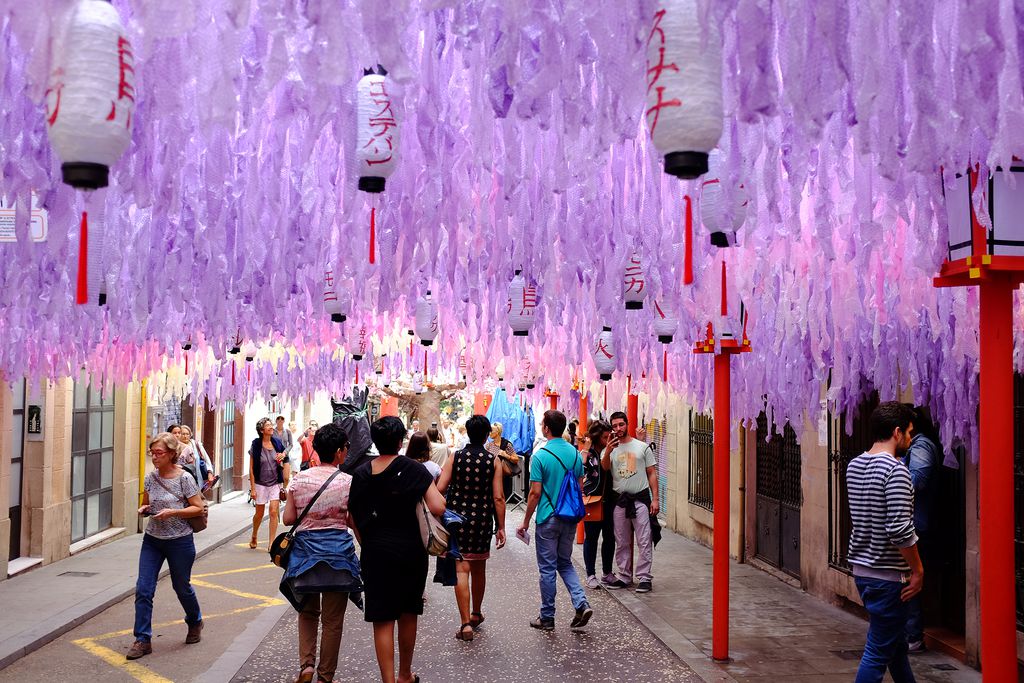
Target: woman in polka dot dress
[(471, 482)]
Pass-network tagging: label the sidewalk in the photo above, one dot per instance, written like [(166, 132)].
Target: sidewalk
[(777, 632), (45, 603)]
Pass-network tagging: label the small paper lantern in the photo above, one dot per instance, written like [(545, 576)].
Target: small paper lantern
[(604, 354), (90, 96), (249, 351), (274, 387), (235, 346), (426, 319), (376, 130), (714, 200), (522, 305), (187, 344), (664, 324), (335, 302), (684, 87), (378, 364), (417, 383), (634, 284), (361, 345), (997, 232)]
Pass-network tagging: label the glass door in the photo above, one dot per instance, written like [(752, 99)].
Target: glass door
[(227, 451), (92, 461)]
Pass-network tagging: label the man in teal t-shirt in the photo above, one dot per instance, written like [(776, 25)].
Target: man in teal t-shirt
[(555, 537)]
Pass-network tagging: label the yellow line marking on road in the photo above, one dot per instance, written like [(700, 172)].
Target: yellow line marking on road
[(117, 660), (143, 674), (268, 565), (269, 600)]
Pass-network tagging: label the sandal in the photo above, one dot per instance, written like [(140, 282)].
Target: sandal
[(461, 633), (306, 675), (476, 618), (252, 546)]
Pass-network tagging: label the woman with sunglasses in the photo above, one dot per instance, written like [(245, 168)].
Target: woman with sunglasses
[(269, 475), (170, 498)]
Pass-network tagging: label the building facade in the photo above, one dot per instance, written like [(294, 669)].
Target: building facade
[(70, 461)]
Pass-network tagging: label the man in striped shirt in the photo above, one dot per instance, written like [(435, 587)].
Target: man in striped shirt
[(883, 544)]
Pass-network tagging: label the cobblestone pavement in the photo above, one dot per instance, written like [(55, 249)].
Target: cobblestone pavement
[(615, 646)]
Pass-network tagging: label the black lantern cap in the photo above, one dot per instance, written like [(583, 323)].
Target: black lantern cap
[(427, 342), (605, 377), (634, 305), (686, 165), (606, 329), (357, 356), (102, 299), (249, 359), (665, 338), (234, 350), (721, 240), (520, 333), (84, 175), (186, 346), (369, 183), (337, 318), (530, 385)]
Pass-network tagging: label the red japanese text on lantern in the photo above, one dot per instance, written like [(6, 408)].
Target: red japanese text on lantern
[(125, 87), (381, 122), (634, 279), (601, 348), (52, 96), (655, 71)]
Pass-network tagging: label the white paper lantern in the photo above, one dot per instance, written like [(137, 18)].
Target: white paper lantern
[(235, 345), (522, 305), (664, 324), (634, 284), (249, 351), (417, 383), (336, 298), (90, 97), (684, 87), (376, 130), (604, 354), (715, 199), (361, 345), (426, 319), (378, 364), (274, 390)]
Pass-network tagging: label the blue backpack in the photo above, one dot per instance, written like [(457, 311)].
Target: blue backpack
[(568, 507)]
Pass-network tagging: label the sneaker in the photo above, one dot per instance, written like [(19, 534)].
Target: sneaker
[(608, 578), (543, 624), (616, 584), (583, 615), (915, 646), (644, 587), (194, 633), (592, 582), (140, 648)]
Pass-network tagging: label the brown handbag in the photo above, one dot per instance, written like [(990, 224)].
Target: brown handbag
[(594, 505)]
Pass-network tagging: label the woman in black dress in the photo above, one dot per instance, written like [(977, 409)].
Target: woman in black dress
[(382, 502), (472, 481)]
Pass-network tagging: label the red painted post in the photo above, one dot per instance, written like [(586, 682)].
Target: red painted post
[(632, 411), (720, 539), (997, 582), (553, 401), (584, 415)]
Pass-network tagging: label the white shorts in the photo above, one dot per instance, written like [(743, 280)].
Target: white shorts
[(265, 494)]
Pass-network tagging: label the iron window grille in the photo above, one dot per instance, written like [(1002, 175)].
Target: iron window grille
[(701, 460)]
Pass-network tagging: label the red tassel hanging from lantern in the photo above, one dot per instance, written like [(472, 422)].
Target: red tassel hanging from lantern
[(664, 365), (688, 258), (373, 233), (725, 298), (82, 292)]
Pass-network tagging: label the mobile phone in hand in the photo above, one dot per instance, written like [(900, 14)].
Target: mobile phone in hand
[(148, 512)]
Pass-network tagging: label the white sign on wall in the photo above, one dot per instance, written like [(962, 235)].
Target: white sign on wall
[(37, 224)]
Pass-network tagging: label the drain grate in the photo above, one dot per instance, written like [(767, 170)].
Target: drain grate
[(944, 667), (83, 574), (847, 654)]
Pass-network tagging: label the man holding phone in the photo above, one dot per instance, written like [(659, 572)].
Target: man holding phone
[(634, 471)]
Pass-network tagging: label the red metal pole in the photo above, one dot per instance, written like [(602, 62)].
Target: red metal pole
[(584, 415), (632, 410), (720, 540), (997, 582)]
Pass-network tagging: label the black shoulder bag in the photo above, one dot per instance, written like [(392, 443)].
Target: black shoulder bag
[(282, 545)]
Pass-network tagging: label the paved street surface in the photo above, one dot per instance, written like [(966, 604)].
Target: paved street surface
[(615, 647), (777, 632), (235, 586)]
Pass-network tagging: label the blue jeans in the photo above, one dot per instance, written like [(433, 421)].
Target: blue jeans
[(180, 553), (555, 539), (886, 645)]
